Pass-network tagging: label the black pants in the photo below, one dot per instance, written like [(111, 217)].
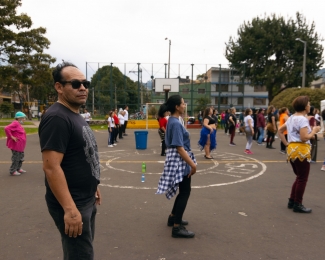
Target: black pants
[(283, 147), (270, 138), (163, 147), (17, 159), (181, 199), (125, 124), (116, 132), (81, 247), (120, 131)]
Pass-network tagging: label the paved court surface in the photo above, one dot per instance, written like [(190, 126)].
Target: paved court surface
[(237, 206)]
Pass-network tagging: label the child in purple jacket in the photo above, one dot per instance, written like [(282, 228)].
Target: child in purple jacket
[(16, 142)]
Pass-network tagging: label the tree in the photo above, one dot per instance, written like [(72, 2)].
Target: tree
[(285, 98), (6, 108), (268, 54), (22, 56), (202, 104), (104, 89)]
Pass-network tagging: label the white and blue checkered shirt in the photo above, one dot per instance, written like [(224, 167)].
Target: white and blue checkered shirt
[(173, 173)]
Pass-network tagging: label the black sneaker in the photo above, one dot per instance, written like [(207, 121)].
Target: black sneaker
[(290, 204), (171, 221), (299, 208), (181, 231)]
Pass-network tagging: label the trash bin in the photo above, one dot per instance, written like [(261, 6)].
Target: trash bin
[(141, 139)]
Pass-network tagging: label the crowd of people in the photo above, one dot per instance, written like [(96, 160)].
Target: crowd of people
[(71, 161), (116, 125)]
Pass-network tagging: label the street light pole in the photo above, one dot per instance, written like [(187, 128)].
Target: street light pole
[(304, 63), (170, 43)]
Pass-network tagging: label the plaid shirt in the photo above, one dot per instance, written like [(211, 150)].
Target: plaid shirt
[(173, 173)]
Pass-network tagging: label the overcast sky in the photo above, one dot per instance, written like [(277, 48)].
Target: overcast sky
[(134, 31)]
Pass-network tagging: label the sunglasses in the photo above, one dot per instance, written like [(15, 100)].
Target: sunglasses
[(76, 83)]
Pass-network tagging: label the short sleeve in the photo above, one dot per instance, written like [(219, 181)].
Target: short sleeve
[(54, 134), (174, 134)]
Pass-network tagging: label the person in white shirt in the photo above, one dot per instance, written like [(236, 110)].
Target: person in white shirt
[(86, 116), (126, 118), (121, 120), (111, 129), (249, 130), (298, 150)]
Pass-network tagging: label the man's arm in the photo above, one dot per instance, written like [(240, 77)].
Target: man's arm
[(58, 184)]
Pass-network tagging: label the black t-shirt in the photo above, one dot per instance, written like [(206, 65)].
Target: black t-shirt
[(231, 124), (66, 132), (211, 120)]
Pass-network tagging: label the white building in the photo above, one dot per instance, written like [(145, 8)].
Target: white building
[(233, 91)]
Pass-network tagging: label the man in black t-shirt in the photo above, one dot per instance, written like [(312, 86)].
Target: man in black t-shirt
[(71, 164)]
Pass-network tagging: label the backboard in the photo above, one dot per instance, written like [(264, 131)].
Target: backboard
[(170, 85)]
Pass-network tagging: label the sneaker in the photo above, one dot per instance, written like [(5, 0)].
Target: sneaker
[(232, 144), (21, 171), (283, 152), (250, 152), (246, 151), (115, 144), (181, 231), (323, 168), (260, 143), (15, 173), (110, 145)]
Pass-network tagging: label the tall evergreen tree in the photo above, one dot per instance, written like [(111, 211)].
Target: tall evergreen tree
[(267, 52)]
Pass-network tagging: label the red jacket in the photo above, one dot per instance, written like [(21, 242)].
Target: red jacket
[(116, 121), (260, 120)]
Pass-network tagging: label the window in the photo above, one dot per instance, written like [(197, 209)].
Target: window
[(260, 88), (185, 90), (241, 88), (240, 100), (259, 101), (223, 100), (201, 91), (223, 88)]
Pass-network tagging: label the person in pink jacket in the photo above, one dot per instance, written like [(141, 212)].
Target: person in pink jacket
[(16, 142)]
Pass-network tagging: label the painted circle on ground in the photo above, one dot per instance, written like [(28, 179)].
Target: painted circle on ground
[(225, 169)]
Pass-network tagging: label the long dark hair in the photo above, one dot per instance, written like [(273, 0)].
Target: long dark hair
[(171, 104), (206, 112)]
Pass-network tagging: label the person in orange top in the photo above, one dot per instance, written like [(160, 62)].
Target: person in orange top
[(284, 112)]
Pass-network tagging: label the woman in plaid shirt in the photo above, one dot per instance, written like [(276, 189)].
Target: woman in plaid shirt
[(180, 165)]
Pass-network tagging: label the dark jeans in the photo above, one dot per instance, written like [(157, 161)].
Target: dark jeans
[(81, 247), (270, 138), (116, 129), (111, 136), (17, 159), (120, 131), (261, 135), (181, 199), (226, 128), (232, 131), (283, 147), (125, 125), (301, 170), (163, 147)]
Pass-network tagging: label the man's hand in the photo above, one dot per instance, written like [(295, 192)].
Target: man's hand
[(14, 138), (73, 223)]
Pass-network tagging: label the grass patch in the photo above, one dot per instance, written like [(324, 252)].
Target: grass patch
[(9, 122), (27, 130)]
